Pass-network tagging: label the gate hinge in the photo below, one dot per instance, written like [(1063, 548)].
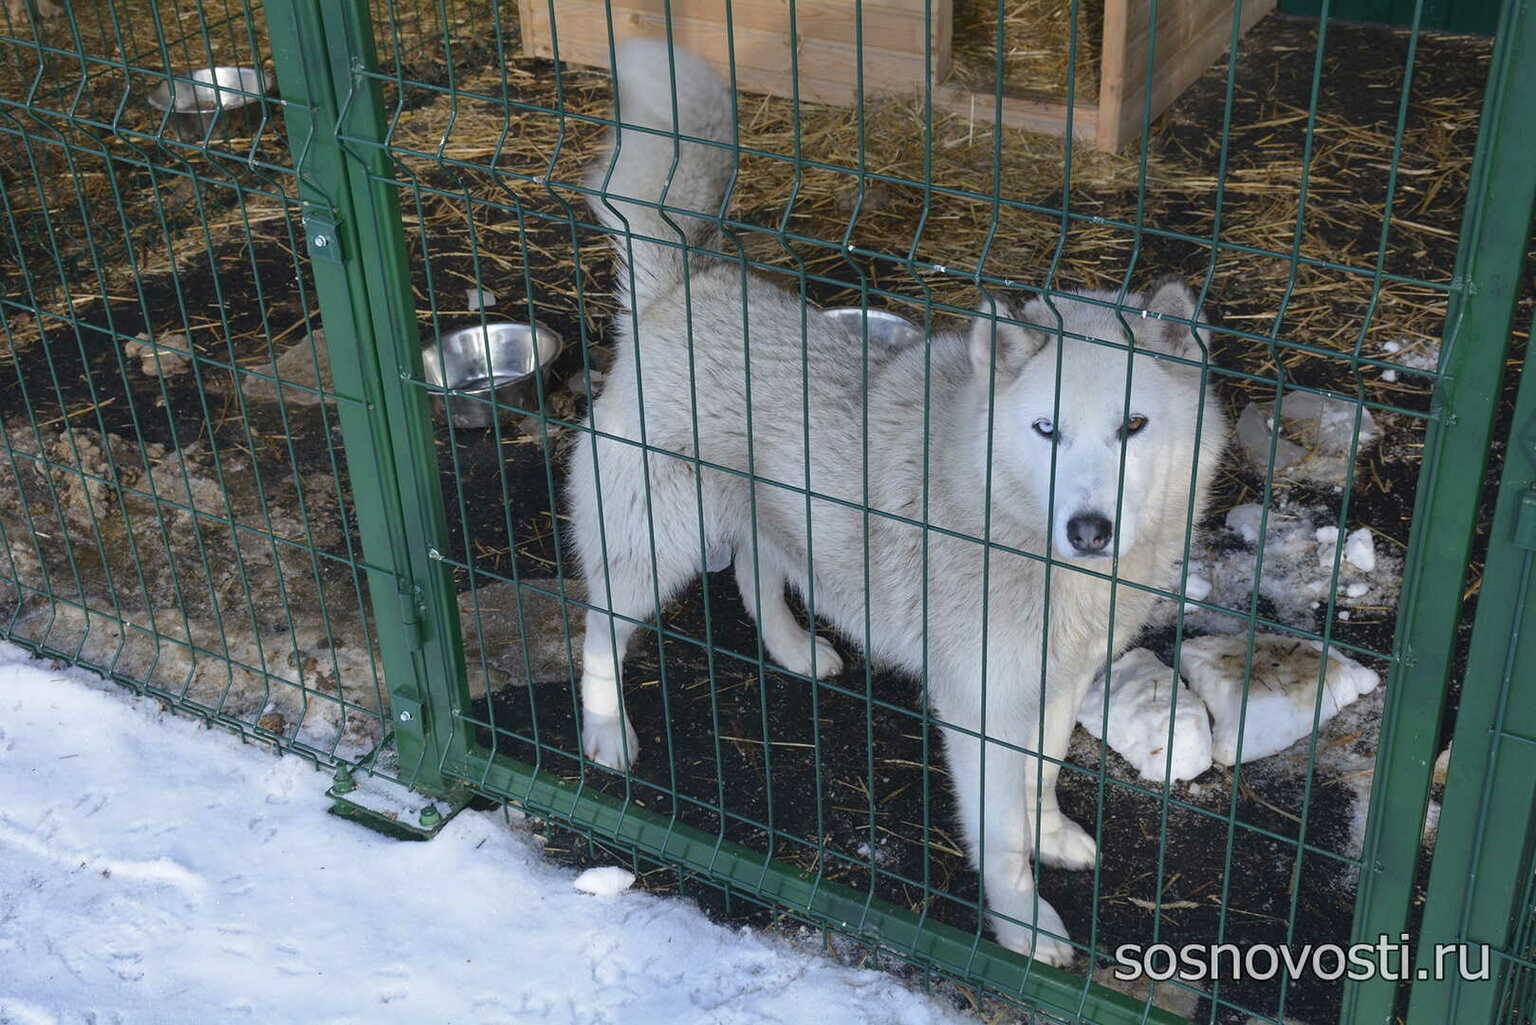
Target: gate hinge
[(324, 236), (1525, 520)]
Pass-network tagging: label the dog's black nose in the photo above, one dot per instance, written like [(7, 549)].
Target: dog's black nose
[(1089, 532)]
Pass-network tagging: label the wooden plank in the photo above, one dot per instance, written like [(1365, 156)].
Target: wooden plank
[(1191, 35), (887, 26), (1029, 114), (759, 39)]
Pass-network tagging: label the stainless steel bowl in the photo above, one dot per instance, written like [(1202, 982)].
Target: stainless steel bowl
[(221, 100), (887, 331), (497, 361)]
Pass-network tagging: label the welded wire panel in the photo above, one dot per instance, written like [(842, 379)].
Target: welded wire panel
[(174, 501), (1309, 192), (1519, 970)]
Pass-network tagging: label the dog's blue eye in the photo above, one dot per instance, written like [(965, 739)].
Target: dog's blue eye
[(1044, 427), (1135, 424)]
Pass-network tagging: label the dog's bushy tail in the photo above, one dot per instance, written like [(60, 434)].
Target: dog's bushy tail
[(662, 168)]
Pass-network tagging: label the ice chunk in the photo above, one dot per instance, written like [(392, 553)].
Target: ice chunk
[(1317, 434), (1141, 689), (1357, 589), (606, 881), (1244, 521), (477, 299), (1327, 545), (1360, 549), (1282, 699), (1197, 587), (1254, 428)]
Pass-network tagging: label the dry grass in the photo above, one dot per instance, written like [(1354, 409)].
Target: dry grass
[(484, 203), (1036, 46), (481, 161), (875, 201)]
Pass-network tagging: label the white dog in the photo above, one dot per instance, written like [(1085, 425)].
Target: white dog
[(1035, 443)]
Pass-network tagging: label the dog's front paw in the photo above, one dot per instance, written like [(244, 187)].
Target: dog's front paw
[(1035, 942), (828, 662), (609, 740), (1065, 844)]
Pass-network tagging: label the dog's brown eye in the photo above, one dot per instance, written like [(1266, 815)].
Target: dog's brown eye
[(1134, 424)]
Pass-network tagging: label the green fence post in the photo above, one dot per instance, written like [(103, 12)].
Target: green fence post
[(362, 281), (1495, 230), (1481, 870), (1481, 864)]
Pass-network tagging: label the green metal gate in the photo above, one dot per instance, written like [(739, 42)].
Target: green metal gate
[(334, 178)]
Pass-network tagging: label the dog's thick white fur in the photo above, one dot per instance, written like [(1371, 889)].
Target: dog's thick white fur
[(1017, 415)]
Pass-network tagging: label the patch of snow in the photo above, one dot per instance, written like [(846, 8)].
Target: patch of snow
[(1282, 703), (607, 881), (158, 871), (1141, 692), (1420, 355), (1197, 588), (1297, 573), (1360, 549)]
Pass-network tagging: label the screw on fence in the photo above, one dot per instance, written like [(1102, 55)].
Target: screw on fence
[(344, 783), (405, 717), (430, 817)]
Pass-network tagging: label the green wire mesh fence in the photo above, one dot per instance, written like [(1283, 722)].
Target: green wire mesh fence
[(336, 540), (183, 530)]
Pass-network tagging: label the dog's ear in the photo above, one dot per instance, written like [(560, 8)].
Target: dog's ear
[(1011, 345), (1171, 298)]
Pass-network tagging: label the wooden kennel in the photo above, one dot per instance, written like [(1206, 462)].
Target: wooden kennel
[(1190, 35)]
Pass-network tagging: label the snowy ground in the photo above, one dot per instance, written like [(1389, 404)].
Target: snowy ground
[(155, 871)]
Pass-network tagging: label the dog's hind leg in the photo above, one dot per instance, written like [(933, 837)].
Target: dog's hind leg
[(791, 645), (644, 546)]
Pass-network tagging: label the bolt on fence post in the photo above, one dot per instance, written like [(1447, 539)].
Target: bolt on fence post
[(362, 280)]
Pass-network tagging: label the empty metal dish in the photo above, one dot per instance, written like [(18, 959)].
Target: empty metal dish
[(887, 331), (497, 361), (226, 97)]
